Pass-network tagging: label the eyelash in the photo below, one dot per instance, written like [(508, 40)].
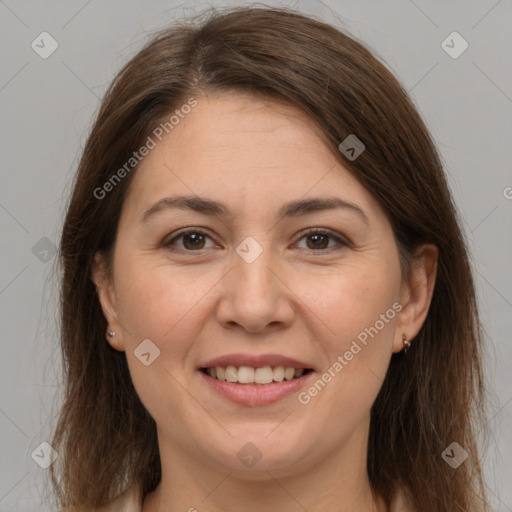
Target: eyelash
[(308, 232)]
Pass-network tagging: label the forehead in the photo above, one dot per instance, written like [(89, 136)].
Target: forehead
[(243, 150)]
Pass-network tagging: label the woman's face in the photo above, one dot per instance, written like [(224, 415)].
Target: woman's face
[(274, 275)]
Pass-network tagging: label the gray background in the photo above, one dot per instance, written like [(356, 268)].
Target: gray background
[(47, 107)]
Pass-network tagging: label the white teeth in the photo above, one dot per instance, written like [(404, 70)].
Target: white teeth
[(279, 373), (231, 374), (263, 375), (246, 374), (289, 373), (249, 375)]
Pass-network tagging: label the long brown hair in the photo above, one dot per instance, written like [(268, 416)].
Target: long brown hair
[(430, 397)]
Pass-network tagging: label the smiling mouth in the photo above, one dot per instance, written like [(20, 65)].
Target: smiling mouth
[(255, 376)]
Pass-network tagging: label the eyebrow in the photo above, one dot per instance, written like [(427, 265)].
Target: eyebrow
[(290, 209)]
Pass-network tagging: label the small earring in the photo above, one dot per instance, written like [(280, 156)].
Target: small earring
[(407, 344), (111, 334)]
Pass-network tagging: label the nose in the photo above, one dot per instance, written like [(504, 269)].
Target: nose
[(255, 296)]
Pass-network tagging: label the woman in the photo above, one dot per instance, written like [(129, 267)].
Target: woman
[(267, 302)]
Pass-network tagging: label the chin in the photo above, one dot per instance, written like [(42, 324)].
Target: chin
[(253, 455)]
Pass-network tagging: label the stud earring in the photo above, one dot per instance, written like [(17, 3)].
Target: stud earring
[(407, 344), (111, 334)]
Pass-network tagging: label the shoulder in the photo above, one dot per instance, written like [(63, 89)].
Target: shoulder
[(128, 501), (131, 501), (401, 502)]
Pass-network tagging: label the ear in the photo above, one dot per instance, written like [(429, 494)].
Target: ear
[(107, 297), (416, 294)]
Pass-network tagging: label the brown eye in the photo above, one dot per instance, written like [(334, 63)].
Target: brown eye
[(191, 240), (318, 240)]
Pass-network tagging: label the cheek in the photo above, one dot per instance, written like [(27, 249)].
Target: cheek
[(352, 300), (355, 321), (159, 304), (162, 303)]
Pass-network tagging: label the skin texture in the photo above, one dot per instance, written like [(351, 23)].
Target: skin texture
[(295, 299)]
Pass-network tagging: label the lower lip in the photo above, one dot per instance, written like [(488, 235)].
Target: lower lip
[(247, 394)]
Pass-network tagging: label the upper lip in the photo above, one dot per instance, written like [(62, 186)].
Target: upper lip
[(255, 361)]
